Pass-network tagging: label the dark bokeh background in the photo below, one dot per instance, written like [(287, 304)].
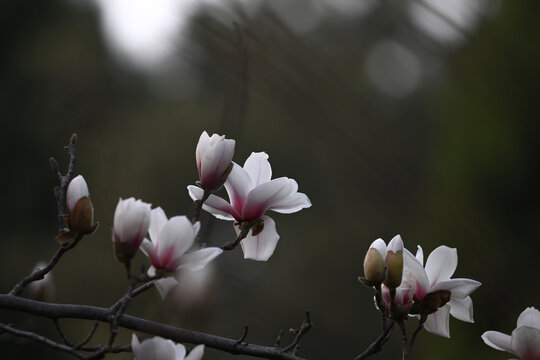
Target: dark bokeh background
[(452, 160)]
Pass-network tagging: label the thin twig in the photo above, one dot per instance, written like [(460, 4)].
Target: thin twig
[(408, 350), (405, 342), (244, 335), (377, 345), (199, 204), (41, 339), (304, 328), (62, 333), (88, 337), (39, 274)]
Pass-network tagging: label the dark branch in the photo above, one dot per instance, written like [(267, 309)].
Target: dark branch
[(198, 205), (145, 326), (376, 346), (39, 274), (304, 328), (41, 339)]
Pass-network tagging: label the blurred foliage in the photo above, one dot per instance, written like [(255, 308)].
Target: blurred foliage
[(453, 162)]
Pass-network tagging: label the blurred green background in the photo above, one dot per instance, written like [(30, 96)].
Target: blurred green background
[(393, 116)]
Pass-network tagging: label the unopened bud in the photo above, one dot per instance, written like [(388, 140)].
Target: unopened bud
[(82, 216), (394, 263), (374, 262), (131, 222)]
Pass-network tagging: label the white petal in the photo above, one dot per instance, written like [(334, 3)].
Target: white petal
[(197, 260), (267, 195), (238, 185), (258, 168), (135, 344), (175, 239), (396, 244), (526, 342), (180, 351), (380, 246), (413, 268), (149, 249), (292, 204), (196, 353), (214, 204), (459, 288), (154, 348), (498, 340), (462, 309), (420, 255), (441, 264), (76, 189), (202, 147), (529, 317), (158, 219), (437, 323), (262, 246), (165, 285), (215, 159)]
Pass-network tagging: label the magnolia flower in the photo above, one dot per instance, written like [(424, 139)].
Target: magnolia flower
[(131, 222), (436, 289), (384, 264), (80, 208), (213, 155), (157, 348), (42, 290), (252, 193), (170, 239), (525, 339)]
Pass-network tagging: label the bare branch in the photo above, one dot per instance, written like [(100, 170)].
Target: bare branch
[(304, 328), (176, 334), (377, 345)]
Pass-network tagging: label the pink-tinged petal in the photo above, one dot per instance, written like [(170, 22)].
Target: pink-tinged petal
[(267, 195), (529, 317), (197, 260), (158, 219), (526, 342), (438, 323), (459, 288), (413, 268), (441, 264), (238, 185), (462, 309), (420, 255), (175, 239), (131, 221), (258, 168), (179, 351), (215, 159), (261, 246), (154, 348), (149, 249), (292, 204), (196, 353), (498, 340), (214, 204)]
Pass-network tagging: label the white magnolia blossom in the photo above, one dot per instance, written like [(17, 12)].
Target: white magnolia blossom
[(525, 339), (131, 221), (213, 156), (252, 192), (76, 190), (440, 266), (170, 240), (158, 348)]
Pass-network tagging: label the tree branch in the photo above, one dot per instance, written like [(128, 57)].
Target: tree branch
[(377, 345), (176, 334)]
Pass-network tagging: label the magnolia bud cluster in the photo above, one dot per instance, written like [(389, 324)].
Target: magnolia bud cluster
[(384, 264)]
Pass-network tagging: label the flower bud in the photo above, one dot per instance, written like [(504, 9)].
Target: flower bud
[(42, 290), (213, 156), (131, 222), (374, 262), (80, 208), (394, 263)]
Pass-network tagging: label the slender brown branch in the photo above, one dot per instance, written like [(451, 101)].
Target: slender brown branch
[(88, 337), (39, 338), (377, 345), (408, 350), (39, 274), (176, 334), (304, 328)]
